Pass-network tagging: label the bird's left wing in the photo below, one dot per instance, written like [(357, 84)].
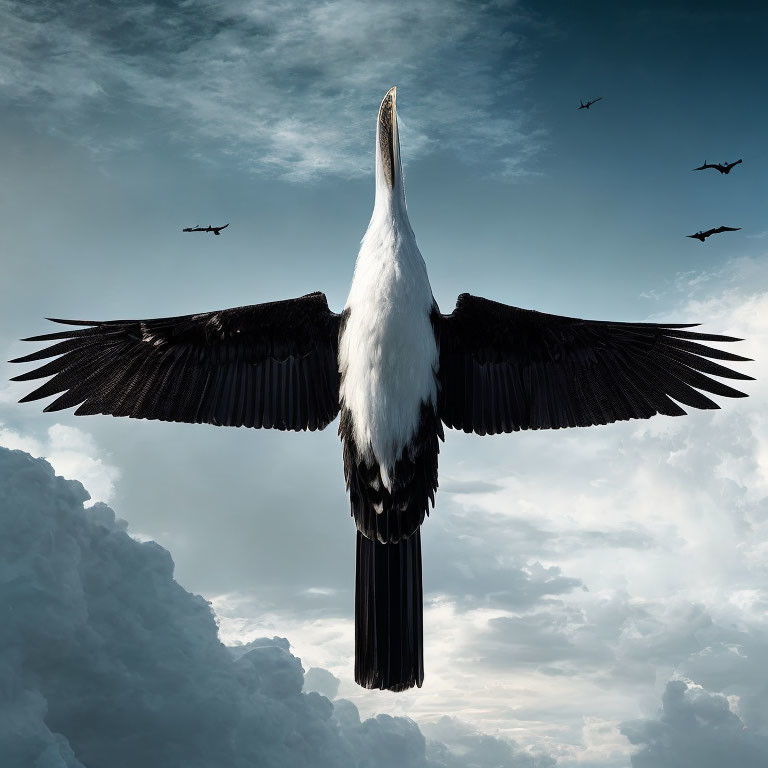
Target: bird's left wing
[(503, 369), (268, 365)]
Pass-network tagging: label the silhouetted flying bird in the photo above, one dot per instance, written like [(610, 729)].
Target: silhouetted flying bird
[(704, 235), (589, 103), (398, 371), (722, 167), (215, 230)]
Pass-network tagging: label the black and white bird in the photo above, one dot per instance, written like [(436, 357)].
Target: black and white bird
[(398, 371)]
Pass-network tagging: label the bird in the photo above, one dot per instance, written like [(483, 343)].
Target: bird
[(589, 103), (702, 236), (398, 373), (722, 167), (209, 228)]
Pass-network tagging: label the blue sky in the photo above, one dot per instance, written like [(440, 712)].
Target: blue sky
[(560, 605)]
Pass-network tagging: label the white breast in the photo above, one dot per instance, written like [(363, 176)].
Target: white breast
[(388, 355)]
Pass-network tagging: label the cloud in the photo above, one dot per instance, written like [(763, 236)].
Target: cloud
[(73, 453), (454, 744), (696, 728), (322, 681), (107, 661), (452, 485), (285, 88)]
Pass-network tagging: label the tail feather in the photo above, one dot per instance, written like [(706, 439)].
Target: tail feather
[(389, 638)]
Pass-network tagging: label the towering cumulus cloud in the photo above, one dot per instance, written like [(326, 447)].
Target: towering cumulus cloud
[(106, 661), (696, 728)]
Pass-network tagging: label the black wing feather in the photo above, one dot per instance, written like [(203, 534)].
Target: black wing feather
[(503, 369), (272, 365)]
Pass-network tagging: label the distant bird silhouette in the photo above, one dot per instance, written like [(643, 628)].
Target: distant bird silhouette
[(722, 167), (704, 235), (215, 230), (589, 103)]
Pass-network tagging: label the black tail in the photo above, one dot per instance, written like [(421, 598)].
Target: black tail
[(389, 640)]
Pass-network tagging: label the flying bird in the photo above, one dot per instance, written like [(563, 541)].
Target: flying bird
[(398, 371), (722, 167), (704, 235), (215, 230), (589, 103)]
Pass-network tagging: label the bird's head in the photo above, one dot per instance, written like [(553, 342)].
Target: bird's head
[(389, 170)]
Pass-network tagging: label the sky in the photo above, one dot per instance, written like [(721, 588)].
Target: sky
[(593, 597)]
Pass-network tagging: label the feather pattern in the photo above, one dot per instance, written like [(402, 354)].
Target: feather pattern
[(389, 634), (391, 513), (503, 369), (268, 365)]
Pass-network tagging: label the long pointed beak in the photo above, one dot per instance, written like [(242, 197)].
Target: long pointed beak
[(389, 144)]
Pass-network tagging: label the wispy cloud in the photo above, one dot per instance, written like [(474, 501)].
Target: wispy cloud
[(282, 86)]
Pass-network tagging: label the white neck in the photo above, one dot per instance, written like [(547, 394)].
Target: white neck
[(388, 353)]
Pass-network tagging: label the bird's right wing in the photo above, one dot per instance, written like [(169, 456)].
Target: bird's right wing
[(503, 369), (268, 365)]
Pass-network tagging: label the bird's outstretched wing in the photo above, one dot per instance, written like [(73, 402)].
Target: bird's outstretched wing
[(503, 369), (268, 365), (718, 230)]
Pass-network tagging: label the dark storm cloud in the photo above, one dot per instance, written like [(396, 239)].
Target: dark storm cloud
[(287, 87), (106, 661)]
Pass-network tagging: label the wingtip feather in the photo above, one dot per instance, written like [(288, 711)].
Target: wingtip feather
[(71, 322)]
